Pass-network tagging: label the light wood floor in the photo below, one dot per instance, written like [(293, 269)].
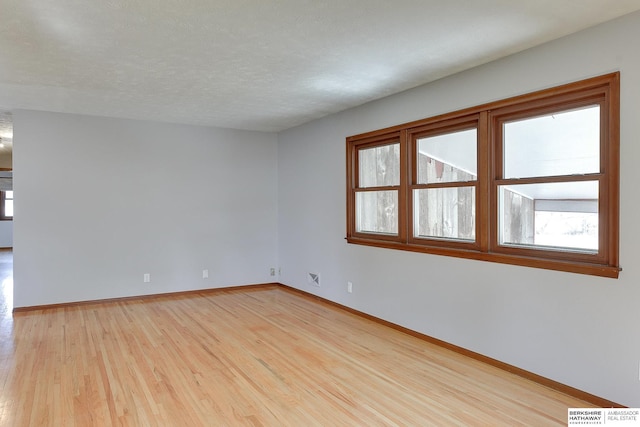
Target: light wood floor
[(265, 357)]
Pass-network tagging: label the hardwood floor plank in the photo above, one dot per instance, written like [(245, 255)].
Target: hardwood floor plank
[(263, 357)]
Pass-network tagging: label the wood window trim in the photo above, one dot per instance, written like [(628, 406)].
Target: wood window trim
[(602, 90), (464, 122), (353, 183)]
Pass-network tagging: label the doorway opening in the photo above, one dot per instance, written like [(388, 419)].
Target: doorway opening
[(6, 213)]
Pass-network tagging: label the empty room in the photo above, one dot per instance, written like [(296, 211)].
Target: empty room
[(325, 213)]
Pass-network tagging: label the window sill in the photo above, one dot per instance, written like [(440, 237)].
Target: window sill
[(543, 263)]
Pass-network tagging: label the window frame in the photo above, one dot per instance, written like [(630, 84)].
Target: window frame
[(3, 215), (566, 101), (377, 141), (443, 127), (488, 118)]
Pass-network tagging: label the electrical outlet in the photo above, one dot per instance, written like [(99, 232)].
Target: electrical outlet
[(146, 278), (272, 271), (313, 279), (350, 287), (205, 274)]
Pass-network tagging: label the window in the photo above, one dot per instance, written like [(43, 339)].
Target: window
[(6, 205), (379, 181), (531, 180), (444, 184)]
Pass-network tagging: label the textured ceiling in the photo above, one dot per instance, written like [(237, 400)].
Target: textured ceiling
[(256, 64)]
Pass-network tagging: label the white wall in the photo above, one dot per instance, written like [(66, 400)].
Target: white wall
[(576, 329), (6, 234), (100, 202)]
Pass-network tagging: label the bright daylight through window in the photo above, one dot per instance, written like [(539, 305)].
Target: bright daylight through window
[(6, 205), (565, 213), (531, 180)]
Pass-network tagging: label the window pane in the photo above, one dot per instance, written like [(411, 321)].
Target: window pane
[(8, 194), (567, 229), (445, 213), (550, 215), (564, 143), (448, 158), (379, 166), (8, 207), (377, 212)]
